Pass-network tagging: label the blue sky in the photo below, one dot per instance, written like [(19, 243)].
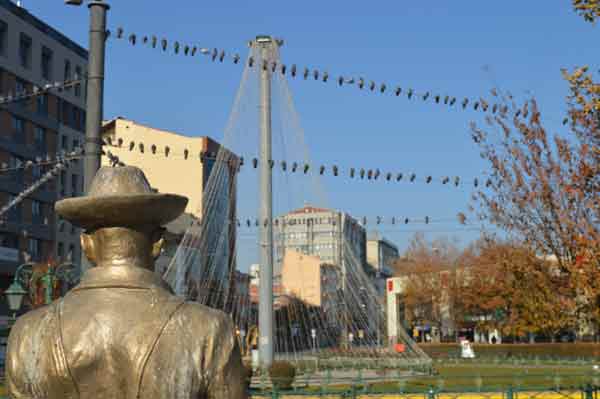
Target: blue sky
[(462, 48)]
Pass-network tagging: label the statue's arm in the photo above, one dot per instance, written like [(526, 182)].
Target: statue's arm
[(228, 381)]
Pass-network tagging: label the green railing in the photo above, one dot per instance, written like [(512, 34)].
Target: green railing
[(522, 386), (355, 391)]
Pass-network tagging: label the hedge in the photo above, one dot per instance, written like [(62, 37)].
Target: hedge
[(542, 351)]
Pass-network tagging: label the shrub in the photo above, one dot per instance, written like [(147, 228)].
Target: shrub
[(248, 372), (282, 375), (529, 351)]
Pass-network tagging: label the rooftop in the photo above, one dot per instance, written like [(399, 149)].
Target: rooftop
[(310, 209)]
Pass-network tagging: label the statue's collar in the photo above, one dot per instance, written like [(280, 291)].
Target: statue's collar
[(121, 277)]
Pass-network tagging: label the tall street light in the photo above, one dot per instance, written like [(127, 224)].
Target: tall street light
[(95, 93)]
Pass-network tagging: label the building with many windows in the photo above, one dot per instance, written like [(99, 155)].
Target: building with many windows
[(333, 236), (33, 54)]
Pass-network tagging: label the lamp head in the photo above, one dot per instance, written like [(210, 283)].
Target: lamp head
[(14, 295), (74, 2)]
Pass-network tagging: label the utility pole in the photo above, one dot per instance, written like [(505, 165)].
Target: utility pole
[(267, 53), (94, 94)]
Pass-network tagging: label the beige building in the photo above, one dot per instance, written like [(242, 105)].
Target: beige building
[(171, 161), (180, 164), (33, 54), (307, 278)]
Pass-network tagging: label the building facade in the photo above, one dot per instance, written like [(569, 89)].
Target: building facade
[(33, 54), (178, 164), (332, 236), (381, 255), (310, 280)]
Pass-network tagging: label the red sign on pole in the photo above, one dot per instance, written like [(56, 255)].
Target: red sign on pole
[(390, 285)]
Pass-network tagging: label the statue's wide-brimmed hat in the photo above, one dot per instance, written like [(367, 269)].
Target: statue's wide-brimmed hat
[(121, 197)]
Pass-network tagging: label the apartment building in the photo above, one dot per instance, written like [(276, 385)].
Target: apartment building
[(33, 54), (333, 236)]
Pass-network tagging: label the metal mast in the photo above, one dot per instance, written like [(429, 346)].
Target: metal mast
[(267, 53), (94, 94)]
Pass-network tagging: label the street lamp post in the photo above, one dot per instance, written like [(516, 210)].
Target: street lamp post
[(22, 283), (94, 93)]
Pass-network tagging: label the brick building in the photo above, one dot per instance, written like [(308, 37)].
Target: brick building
[(33, 54)]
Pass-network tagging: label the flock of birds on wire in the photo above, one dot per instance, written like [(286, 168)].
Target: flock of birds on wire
[(305, 168), (45, 178), (294, 71), (364, 221), (38, 90)]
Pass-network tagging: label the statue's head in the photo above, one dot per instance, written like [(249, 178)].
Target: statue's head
[(121, 217)]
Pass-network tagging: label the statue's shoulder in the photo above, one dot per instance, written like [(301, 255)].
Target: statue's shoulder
[(27, 334), (205, 317), (32, 322)]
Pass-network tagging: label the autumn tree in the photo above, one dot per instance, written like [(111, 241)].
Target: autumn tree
[(543, 189), (588, 9), (508, 288), (429, 285)]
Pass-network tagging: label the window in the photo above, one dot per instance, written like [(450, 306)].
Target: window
[(67, 73), (18, 125), (42, 104), (78, 76), (36, 172), (9, 240), (25, 51), (74, 179), (3, 37), (60, 250), (74, 118), (14, 214), (46, 63), (36, 209), (64, 143), (14, 162), (65, 112), (71, 253), (75, 144), (20, 86), (40, 137), (35, 249)]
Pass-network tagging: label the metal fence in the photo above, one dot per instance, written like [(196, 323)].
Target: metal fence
[(355, 391), (527, 385)]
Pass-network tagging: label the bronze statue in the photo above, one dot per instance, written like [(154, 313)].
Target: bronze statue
[(121, 333)]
